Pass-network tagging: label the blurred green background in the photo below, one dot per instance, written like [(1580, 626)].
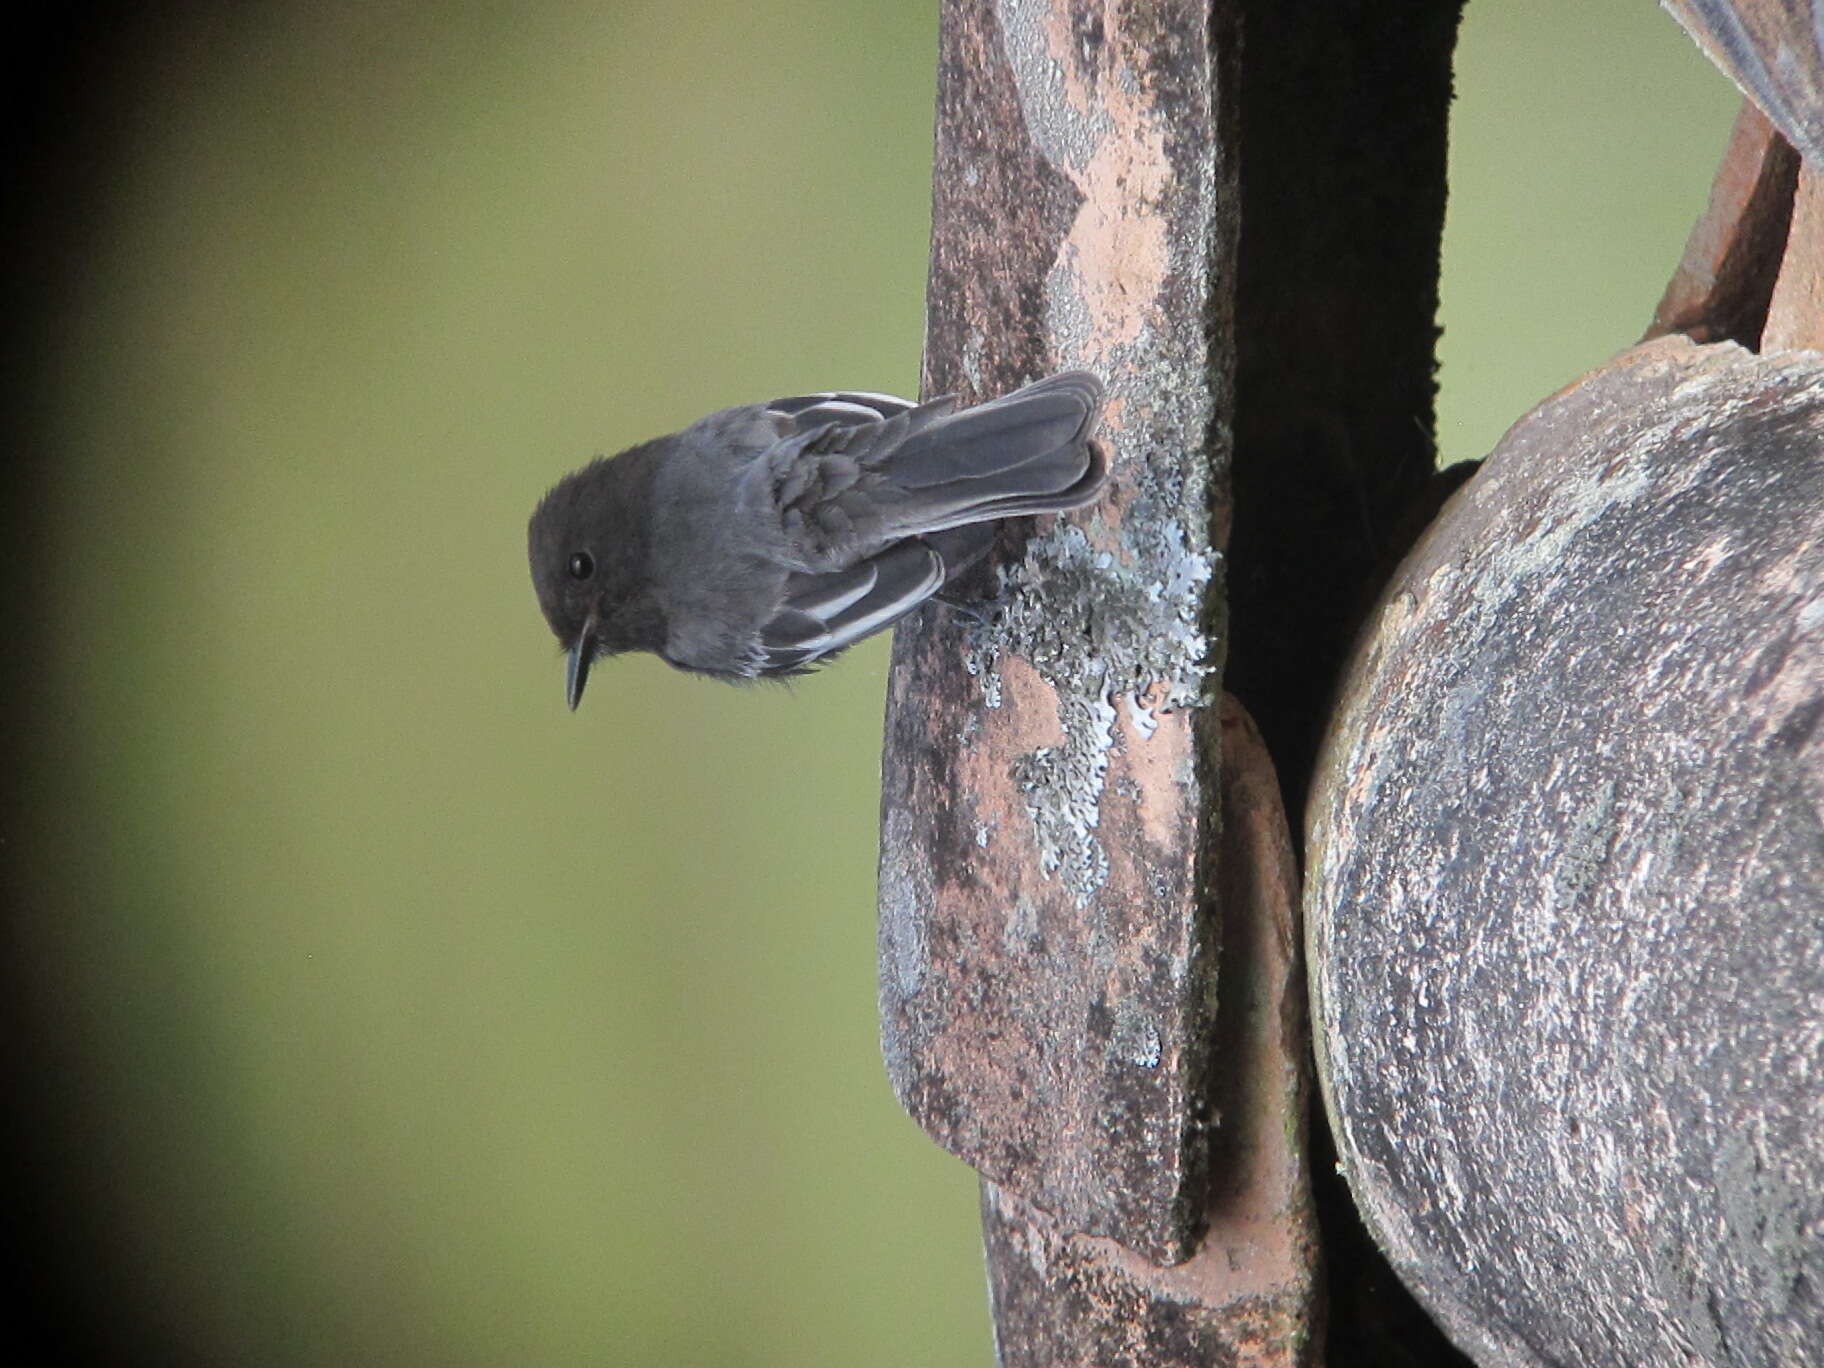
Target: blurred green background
[(397, 1016)]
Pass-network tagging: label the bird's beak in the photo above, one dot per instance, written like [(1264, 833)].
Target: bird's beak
[(582, 655)]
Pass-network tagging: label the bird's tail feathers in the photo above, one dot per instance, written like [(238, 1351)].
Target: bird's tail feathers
[(1027, 452)]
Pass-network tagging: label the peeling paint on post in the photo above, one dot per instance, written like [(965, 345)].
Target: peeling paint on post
[(1047, 946)]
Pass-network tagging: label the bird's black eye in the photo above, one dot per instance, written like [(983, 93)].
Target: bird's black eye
[(582, 565)]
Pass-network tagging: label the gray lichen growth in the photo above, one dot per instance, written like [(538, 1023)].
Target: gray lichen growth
[(905, 955), (1096, 626), (1122, 608), (1065, 133), (1135, 1039), (1062, 789), (1083, 617)]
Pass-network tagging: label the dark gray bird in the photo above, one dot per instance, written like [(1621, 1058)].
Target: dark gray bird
[(764, 539)]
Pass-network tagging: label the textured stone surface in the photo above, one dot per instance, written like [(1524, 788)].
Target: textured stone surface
[(1249, 1294), (1047, 961), (1565, 910)]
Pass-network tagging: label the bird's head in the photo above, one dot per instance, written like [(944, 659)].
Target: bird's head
[(587, 543)]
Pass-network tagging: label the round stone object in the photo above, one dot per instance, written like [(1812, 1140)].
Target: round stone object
[(1565, 881)]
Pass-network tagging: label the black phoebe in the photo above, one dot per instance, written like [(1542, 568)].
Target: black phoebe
[(764, 539)]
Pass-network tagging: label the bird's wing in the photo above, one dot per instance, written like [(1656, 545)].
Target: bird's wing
[(842, 408), (827, 613), (850, 474)]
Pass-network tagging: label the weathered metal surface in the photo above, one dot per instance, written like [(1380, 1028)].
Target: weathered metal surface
[(1249, 1294), (1047, 961), (1565, 909), (1771, 50), (1724, 282)]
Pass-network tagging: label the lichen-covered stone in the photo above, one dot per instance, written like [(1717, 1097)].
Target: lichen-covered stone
[(1047, 961), (1250, 1293)]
